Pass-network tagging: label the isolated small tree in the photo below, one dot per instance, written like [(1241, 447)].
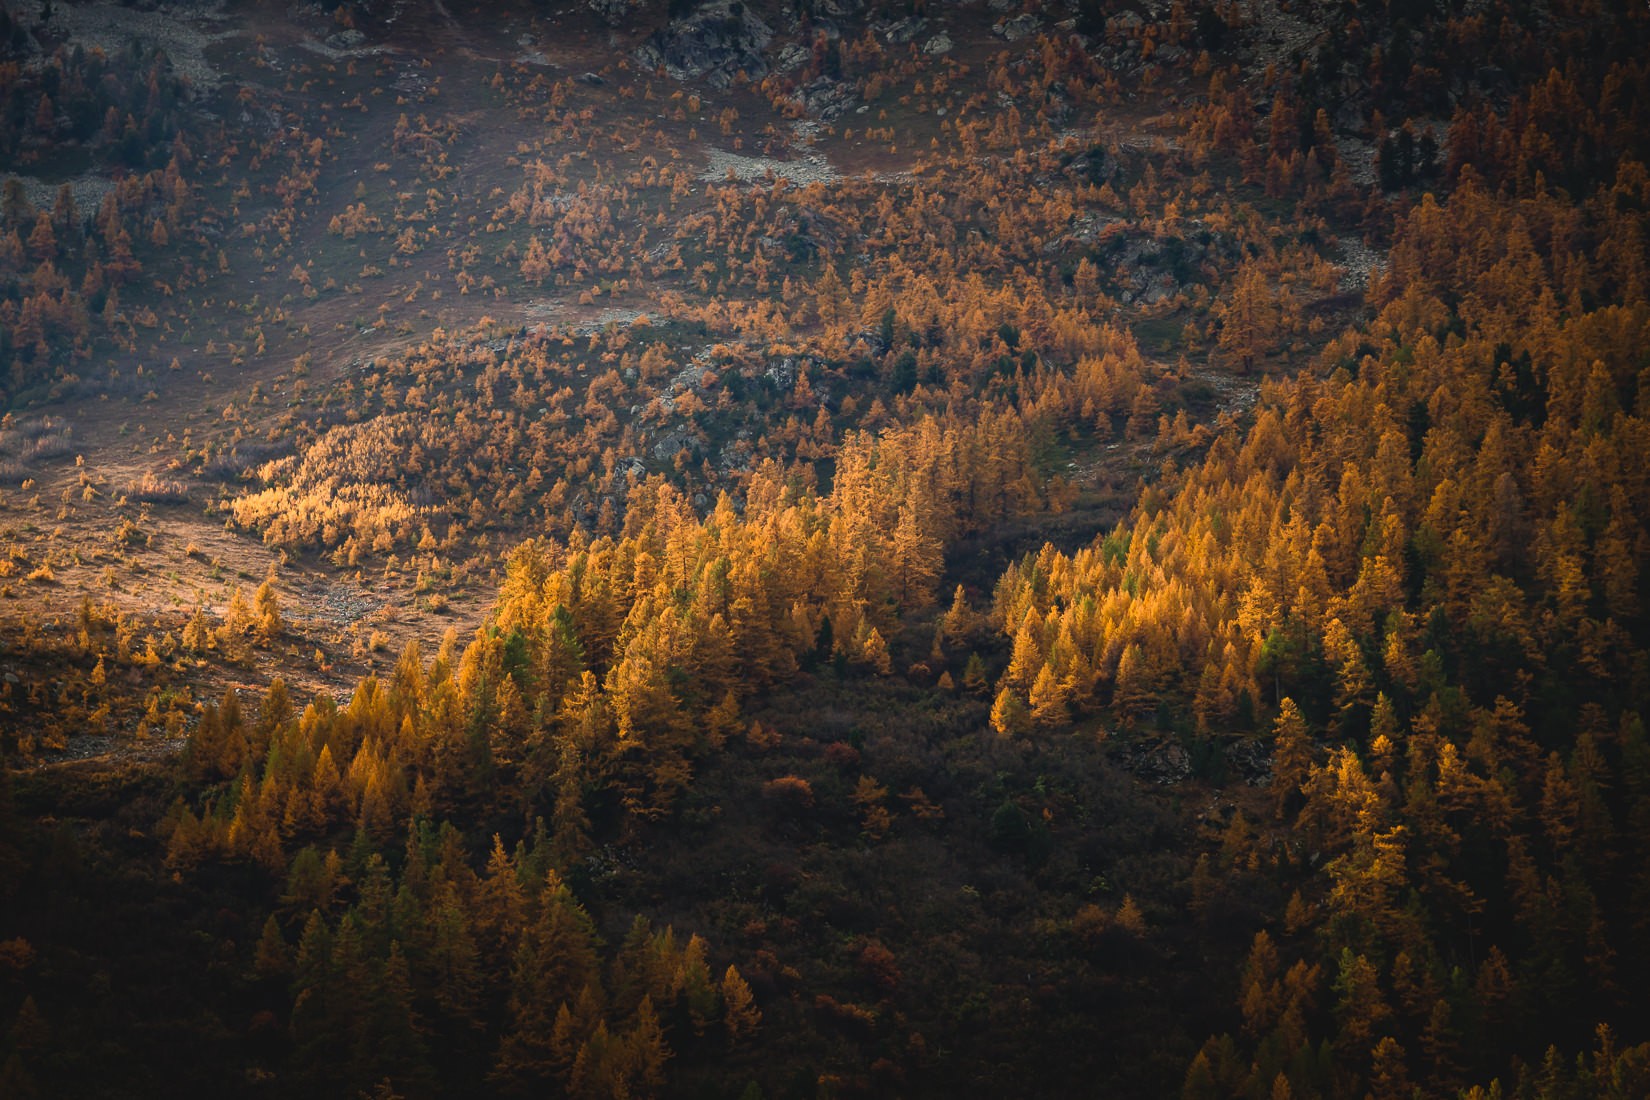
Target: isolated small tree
[(197, 633), (1249, 318), (269, 625), (740, 1015), (875, 652), (272, 958), (1009, 715), (535, 266), (237, 617)]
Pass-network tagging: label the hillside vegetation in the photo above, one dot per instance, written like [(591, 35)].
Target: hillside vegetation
[(840, 551)]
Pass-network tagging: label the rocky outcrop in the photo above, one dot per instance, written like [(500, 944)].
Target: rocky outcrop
[(350, 39), (1162, 762), (1021, 26), (793, 56), (906, 30), (827, 99), (613, 11), (940, 43), (1250, 761), (1096, 166), (714, 42)]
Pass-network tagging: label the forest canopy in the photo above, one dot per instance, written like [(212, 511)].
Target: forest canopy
[(864, 550)]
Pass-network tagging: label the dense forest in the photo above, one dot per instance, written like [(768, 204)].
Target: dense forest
[(858, 549)]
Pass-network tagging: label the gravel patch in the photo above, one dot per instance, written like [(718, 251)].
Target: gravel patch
[(808, 130), (97, 746), (1235, 394), (1279, 36), (611, 316), (172, 28), (556, 310), (1360, 262), (336, 605), (811, 168), (332, 51), (88, 191), (1359, 157)]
